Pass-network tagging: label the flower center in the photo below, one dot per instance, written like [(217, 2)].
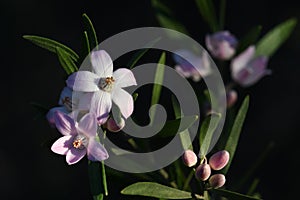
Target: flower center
[(67, 103), (79, 142), (106, 84)]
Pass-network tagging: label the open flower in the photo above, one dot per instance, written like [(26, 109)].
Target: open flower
[(247, 69), (192, 66), (105, 85), (79, 138), (221, 44)]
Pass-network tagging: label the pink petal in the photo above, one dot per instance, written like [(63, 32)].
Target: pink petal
[(62, 145), (124, 78), (51, 112), (83, 81), (96, 151), (123, 100), (242, 60), (226, 51), (101, 105), (64, 123), (88, 125), (102, 63), (74, 155)]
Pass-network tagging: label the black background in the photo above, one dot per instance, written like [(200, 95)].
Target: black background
[(28, 169)]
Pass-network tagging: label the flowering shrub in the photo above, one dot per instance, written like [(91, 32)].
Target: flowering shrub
[(98, 103)]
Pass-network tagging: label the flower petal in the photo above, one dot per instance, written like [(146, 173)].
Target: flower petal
[(65, 93), (102, 63), (242, 60), (101, 105), (74, 155), (88, 125), (83, 81), (123, 100), (124, 78), (51, 112), (96, 151), (62, 145), (85, 101), (64, 123)]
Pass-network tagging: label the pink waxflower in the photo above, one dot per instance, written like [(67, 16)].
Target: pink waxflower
[(191, 66), (79, 138), (221, 44), (105, 86), (247, 69)]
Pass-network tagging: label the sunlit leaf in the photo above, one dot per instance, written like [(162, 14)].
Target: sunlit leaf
[(275, 38), (91, 33), (66, 62)]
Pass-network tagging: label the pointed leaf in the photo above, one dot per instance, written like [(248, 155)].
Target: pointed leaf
[(275, 38), (206, 133), (151, 189), (233, 195), (207, 10), (51, 45), (249, 39), (236, 129), (91, 33), (66, 62)]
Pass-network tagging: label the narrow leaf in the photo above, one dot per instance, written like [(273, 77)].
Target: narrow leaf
[(207, 10), (233, 195), (158, 80), (249, 39), (206, 132), (236, 129), (95, 177), (51, 45), (66, 62), (275, 38), (92, 36), (151, 189)]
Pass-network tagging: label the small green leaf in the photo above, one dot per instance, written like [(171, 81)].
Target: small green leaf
[(151, 189), (249, 39), (166, 18), (158, 80), (51, 45), (233, 195), (207, 10), (206, 132), (275, 38), (66, 62), (236, 129), (92, 36)]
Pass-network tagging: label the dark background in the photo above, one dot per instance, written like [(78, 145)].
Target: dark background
[(28, 168)]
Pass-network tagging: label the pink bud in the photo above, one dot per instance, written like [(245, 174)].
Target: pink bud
[(189, 158), (232, 97), (203, 172), (114, 126), (219, 160), (217, 180)]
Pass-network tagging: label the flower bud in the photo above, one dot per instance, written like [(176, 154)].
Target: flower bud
[(217, 180), (219, 160), (203, 172), (189, 158), (231, 97), (114, 126), (221, 44)]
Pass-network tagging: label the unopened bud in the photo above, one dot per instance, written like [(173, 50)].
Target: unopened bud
[(217, 180), (231, 97), (203, 172), (219, 160), (189, 158), (114, 126)]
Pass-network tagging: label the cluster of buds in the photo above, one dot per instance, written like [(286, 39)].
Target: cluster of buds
[(203, 172)]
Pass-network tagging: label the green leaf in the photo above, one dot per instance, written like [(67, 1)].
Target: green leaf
[(51, 45), (66, 62), (222, 14), (166, 18), (249, 39), (151, 189), (171, 127), (275, 38), (207, 10), (206, 133), (236, 129), (158, 80), (233, 195), (95, 177), (92, 36)]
